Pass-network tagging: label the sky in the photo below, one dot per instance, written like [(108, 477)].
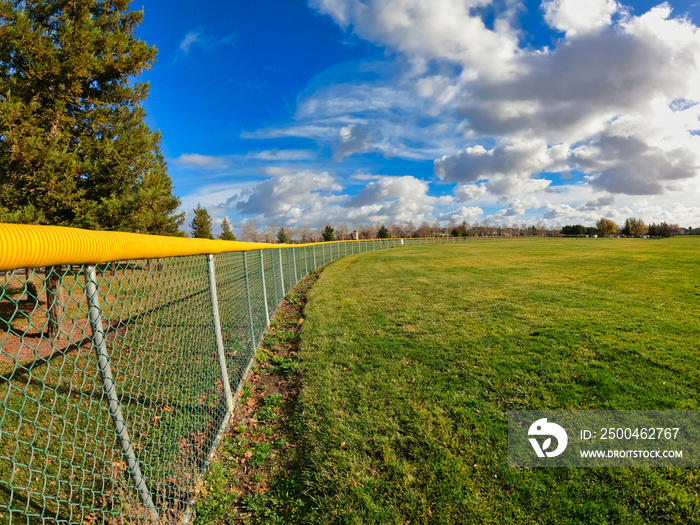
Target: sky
[(305, 113)]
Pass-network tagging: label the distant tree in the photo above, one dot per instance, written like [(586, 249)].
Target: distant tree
[(382, 232), (460, 230), (201, 223), (342, 232), (226, 233), (328, 233), (398, 230), (660, 230), (576, 229), (307, 234), (282, 236), (634, 227), (410, 229), (424, 230), (367, 231), (606, 227), (249, 232)]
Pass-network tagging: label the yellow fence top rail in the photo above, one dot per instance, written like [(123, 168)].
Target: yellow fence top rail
[(29, 246)]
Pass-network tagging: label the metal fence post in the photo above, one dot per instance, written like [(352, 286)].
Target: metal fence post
[(110, 391), (294, 257), (219, 345), (314, 250), (284, 293), (219, 339), (262, 269), (250, 305)]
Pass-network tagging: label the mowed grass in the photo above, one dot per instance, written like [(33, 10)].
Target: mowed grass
[(412, 358)]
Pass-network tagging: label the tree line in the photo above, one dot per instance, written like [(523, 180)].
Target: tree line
[(201, 226), (633, 227)]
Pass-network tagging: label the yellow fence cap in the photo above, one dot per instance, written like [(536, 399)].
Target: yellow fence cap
[(29, 246)]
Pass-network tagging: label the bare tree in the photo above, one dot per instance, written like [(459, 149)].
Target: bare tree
[(342, 232), (270, 233), (307, 234), (367, 231), (410, 229), (249, 232), (424, 230), (397, 230)]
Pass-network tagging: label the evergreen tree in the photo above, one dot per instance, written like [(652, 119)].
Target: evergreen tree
[(282, 236), (226, 233), (201, 223), (382, 232), (74, 146), (328, 234)]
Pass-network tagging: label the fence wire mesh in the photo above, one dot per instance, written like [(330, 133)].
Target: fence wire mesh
[(114, 387)]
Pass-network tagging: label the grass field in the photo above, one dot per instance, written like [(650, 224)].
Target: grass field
[(412, 358)]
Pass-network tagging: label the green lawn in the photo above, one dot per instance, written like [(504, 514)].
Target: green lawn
[(413, 356)]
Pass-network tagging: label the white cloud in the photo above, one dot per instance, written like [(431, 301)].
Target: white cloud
[(579, 16), (516, 159), (195, 160), (469, 192), (201, 38), (394, 199), (424, 31), (386, 188), (191, 38), (281, 154), (463, 213), (354, 138), (289, 194)]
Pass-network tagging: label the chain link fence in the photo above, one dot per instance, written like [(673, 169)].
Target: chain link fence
[(117, 379)]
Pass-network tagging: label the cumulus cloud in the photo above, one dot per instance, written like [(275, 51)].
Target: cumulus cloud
[(599, 203), (289, 194), (307, 197), (575, 17), (394, 199), (463, 213), (469, 192), (507, 166), (424, 31)]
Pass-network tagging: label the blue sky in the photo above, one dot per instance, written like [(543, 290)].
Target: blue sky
[(298, 113)]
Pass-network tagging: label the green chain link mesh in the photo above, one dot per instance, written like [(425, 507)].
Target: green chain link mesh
[(74, 449)]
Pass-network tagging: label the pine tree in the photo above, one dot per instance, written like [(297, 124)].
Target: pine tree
[(282, 236), (74, 146), (328, 233), (226, 233), (382, 233), (201, 223)]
